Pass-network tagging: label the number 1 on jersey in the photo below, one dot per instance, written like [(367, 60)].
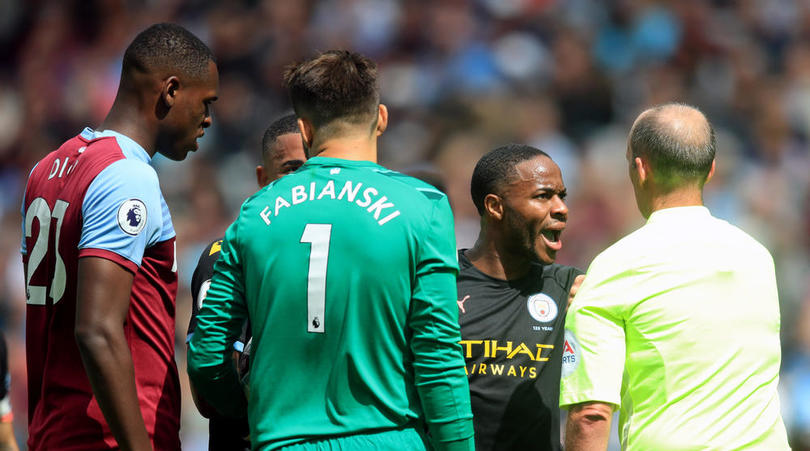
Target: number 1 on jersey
[(318, 236)]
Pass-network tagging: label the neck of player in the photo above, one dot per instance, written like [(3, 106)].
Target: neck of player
[(361, 147), (125, 118), (494, 260)]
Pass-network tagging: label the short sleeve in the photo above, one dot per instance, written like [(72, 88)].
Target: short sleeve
[(594, 346), (122, 213)]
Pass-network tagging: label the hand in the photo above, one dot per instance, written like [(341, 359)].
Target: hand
[(575, 287)]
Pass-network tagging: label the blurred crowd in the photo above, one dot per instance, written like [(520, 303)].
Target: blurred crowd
[(460, 77)]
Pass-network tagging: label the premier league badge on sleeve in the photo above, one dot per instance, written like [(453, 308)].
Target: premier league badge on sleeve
[(132, 216), (542, 307)]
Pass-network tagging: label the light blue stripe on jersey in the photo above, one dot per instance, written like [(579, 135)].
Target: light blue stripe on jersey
[(125, 181)]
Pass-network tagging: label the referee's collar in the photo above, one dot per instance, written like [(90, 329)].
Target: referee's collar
[(693, 211)]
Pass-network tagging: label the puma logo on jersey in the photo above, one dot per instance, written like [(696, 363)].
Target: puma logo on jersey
[(461, 303)]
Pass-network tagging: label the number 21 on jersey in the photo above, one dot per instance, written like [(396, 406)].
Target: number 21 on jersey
[(39, 210), (318, 236)]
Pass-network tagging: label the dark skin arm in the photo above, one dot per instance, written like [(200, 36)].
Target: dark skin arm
[(102, 303), (588, 426)]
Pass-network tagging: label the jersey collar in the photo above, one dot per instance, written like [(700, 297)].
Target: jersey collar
[(679, 213), (133, 149), (329, 161)]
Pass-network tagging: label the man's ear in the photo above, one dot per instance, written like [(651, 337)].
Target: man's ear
[(307, 132), (493, 206), (169, 90), (711, 172), (642, 169), (261, 176), (382, 119)]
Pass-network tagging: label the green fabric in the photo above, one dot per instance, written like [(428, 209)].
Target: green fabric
[(678, 324), (395, 440), (383, 352)]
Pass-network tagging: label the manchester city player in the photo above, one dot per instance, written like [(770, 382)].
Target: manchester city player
[(346, 271), (282, 154), (513, 299), (98, 250)]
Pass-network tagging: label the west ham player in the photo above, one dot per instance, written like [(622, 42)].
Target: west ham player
[(99, 254), (346, 271), (7, 440), (282, 153), (513, 299)]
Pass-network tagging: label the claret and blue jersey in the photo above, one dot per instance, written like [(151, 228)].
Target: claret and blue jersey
[(97, 196)]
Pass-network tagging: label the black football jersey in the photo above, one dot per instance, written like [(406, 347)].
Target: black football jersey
[(224, 433), (512, 336)]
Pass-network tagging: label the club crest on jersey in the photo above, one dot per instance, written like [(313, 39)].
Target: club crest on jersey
[(542, 307), (132, 216), (570, 357)]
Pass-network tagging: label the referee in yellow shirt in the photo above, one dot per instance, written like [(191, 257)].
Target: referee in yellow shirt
[(677, 324)]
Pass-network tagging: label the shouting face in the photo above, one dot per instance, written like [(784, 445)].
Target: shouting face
[(534, 210)]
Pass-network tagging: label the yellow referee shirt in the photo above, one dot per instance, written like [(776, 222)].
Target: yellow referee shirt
[(678, 325)]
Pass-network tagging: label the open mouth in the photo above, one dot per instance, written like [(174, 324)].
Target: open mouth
[(552, 238)]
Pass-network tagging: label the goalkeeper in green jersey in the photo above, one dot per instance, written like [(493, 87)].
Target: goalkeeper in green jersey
[(346, 271)]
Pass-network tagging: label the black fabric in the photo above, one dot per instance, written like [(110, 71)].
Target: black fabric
[(513, 357), (224, 433)]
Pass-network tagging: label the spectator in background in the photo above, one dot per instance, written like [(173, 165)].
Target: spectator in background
[(676, 324)]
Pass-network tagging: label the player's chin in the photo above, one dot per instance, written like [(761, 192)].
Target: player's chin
[(180, 153), (545, 255)]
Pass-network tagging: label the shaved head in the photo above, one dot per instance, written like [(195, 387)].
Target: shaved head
[(677, 140), (167, 48)]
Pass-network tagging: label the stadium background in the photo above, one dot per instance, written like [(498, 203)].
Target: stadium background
[(459, 77)]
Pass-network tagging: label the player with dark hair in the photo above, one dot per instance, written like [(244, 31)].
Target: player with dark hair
[(513, 299), (282, 153), (99, 254), (7, 440), (346, 271), (676, 324)]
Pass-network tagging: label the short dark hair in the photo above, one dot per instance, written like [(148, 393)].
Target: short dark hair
[(497, 168), (167, 46), (335, 85), (281, 126), (676, 157)]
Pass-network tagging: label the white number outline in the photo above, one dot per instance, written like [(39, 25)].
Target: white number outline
[(39, 210), (319, 237)]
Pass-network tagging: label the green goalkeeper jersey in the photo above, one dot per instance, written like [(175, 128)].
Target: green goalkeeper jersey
[(346, 271)]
